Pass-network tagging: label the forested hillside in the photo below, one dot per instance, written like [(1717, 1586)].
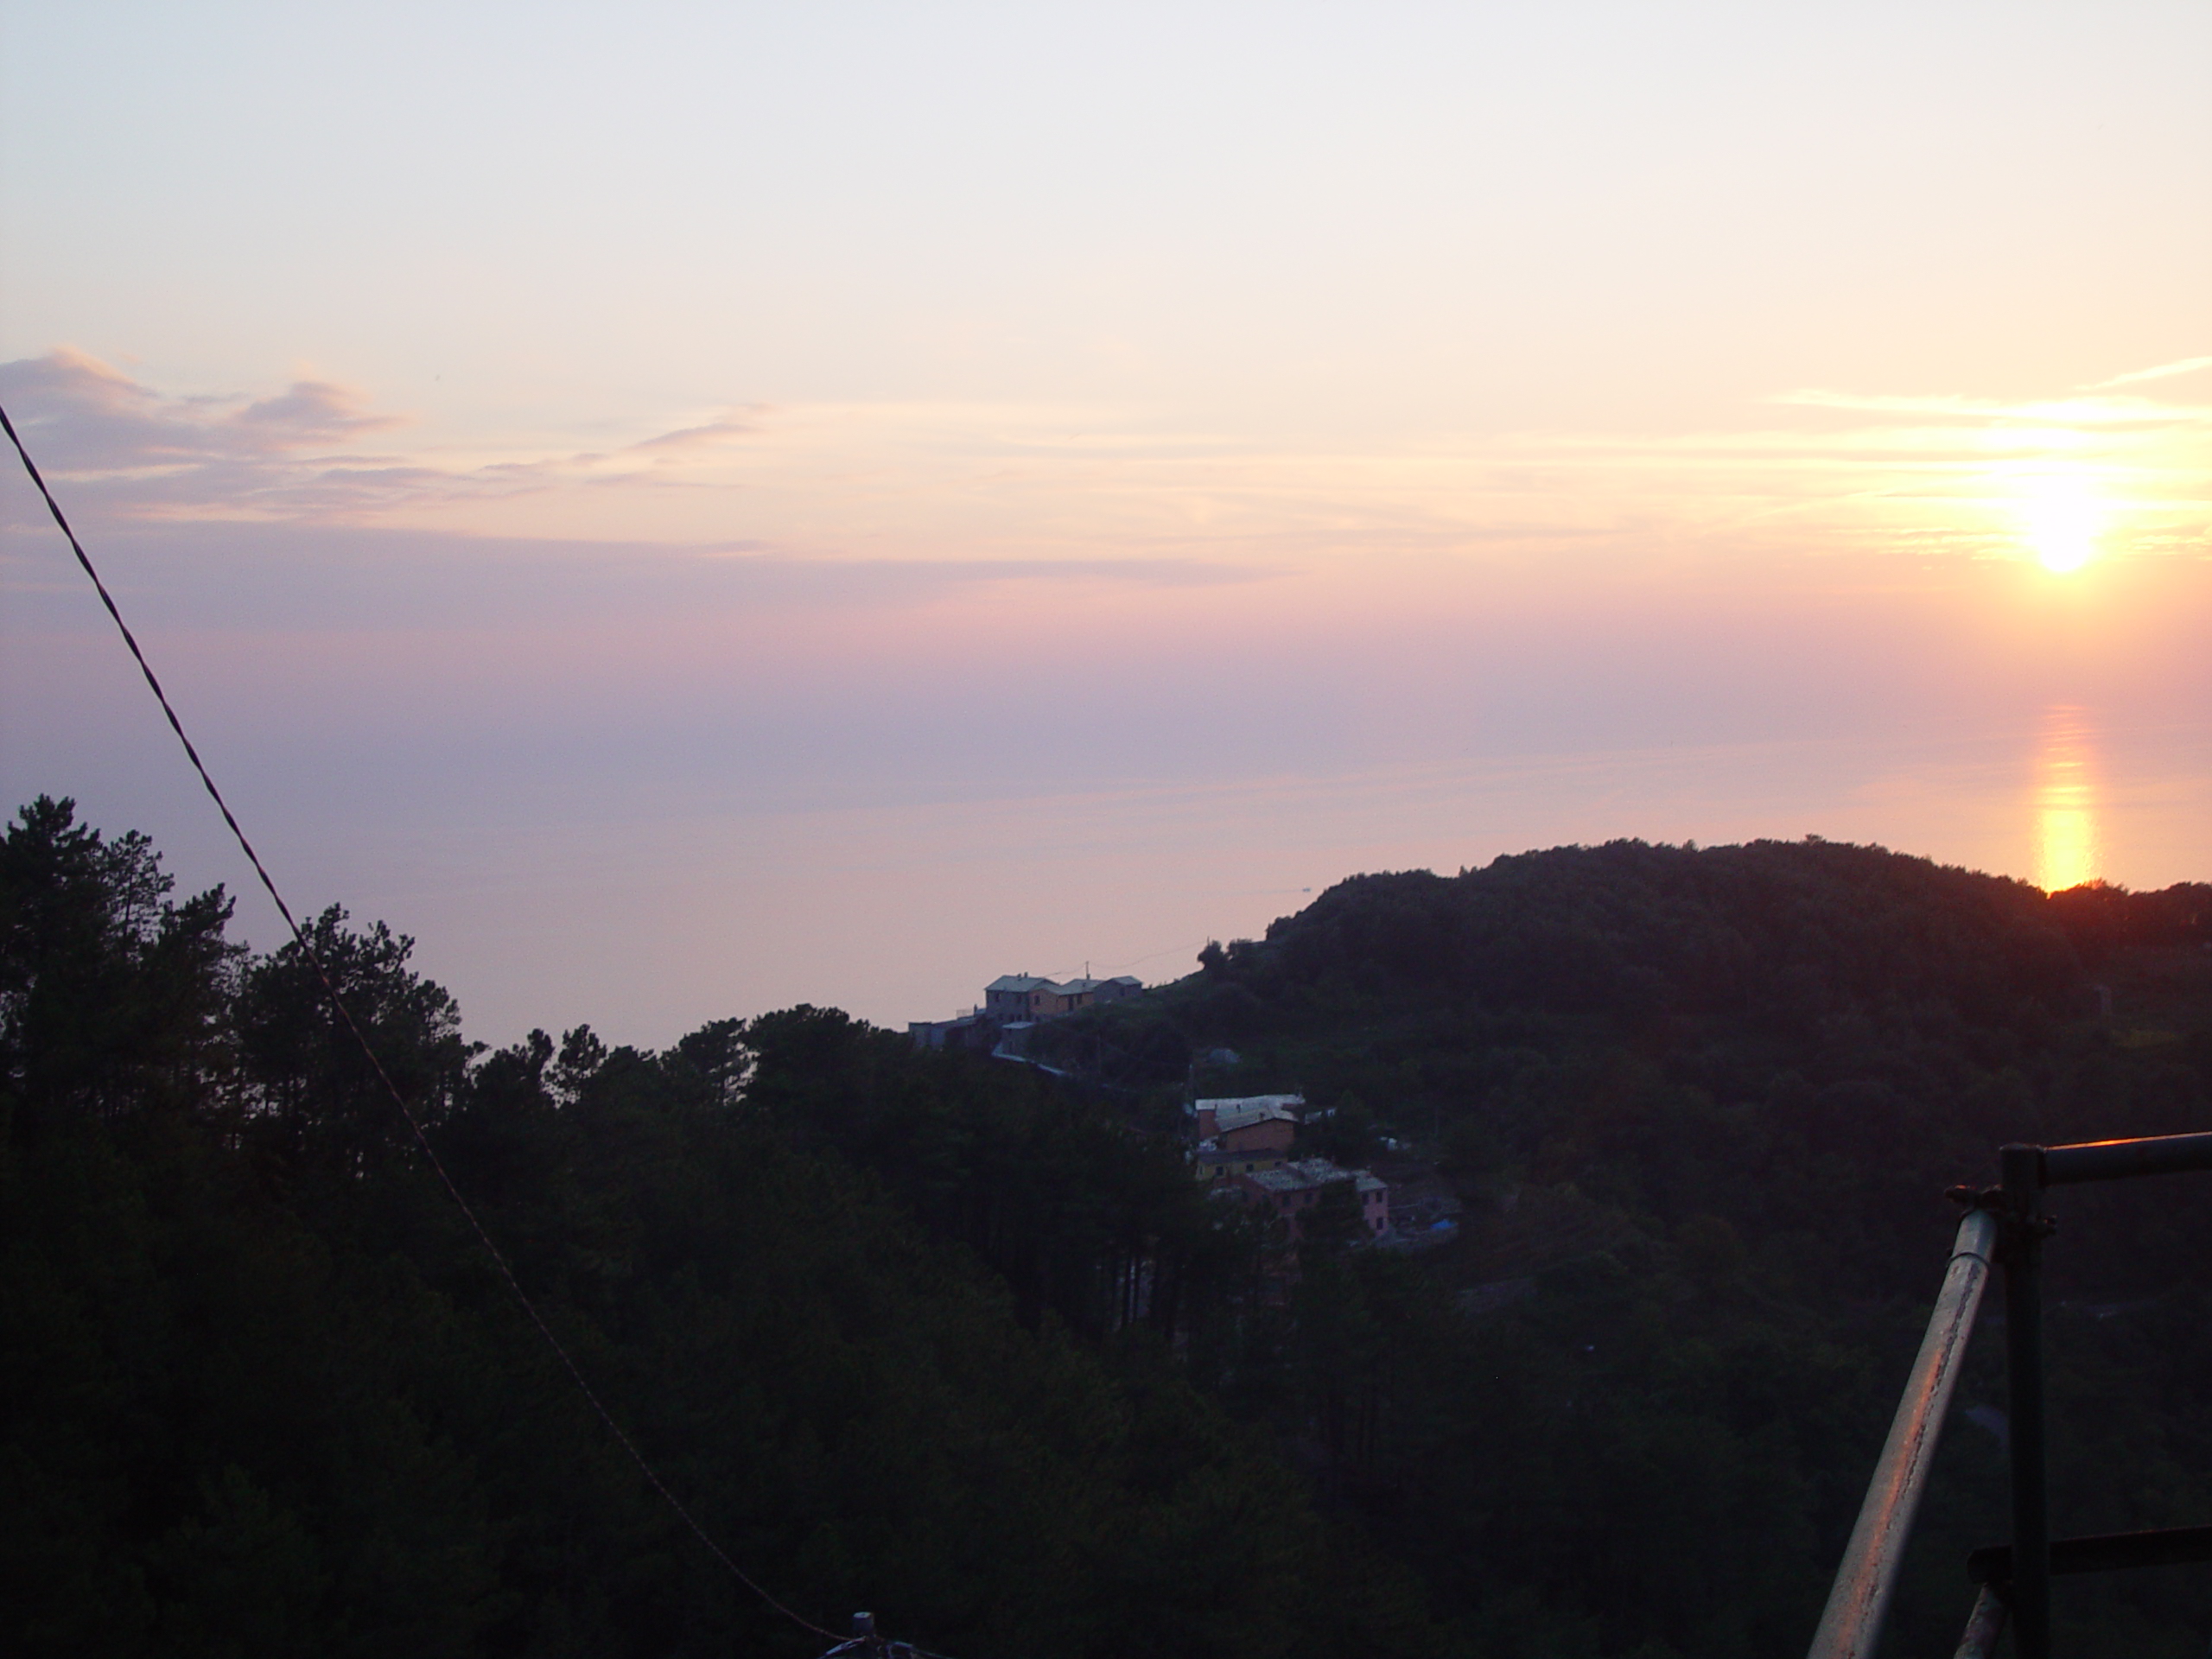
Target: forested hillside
[(264, 1393), (950, 1340), (1702, 1106)]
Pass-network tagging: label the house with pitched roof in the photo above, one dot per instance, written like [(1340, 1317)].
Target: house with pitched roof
[(1210, 1119), (1020, 1000), (1013, 997)]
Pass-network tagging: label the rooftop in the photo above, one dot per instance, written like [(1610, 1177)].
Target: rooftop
[(1243, 1117), (1308, 1173), (1287, 1103)]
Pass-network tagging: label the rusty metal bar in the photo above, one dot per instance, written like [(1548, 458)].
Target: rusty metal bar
[(1984, 1626), (1861, 1598), (2112, 1160)]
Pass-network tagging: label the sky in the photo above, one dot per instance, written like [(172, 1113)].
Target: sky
[(686, 509)]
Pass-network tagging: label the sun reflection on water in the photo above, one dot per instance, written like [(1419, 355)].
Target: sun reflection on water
[(2067, 848)]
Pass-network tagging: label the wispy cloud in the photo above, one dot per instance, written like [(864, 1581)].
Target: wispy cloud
[(2059, 412), (710, 434), (93, 418), (1019, 491), (134, 451), (2164, 371)]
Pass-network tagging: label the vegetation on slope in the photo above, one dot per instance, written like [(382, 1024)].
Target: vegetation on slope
[(266, 1395), (1701, 1106), (946, 1339)]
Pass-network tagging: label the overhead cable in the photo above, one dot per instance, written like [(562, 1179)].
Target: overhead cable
[(346, 1015)]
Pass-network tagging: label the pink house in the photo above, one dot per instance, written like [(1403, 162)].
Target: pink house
[(1292, 1190)]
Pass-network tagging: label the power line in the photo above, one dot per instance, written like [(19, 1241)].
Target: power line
[(346, 1014)]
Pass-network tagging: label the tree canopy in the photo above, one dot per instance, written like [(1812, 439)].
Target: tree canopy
[(266, 1395), (963, 1344)]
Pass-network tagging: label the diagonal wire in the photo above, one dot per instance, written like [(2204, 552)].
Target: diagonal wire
[(322, 972)]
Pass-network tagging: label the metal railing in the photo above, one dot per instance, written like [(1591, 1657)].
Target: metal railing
[(1860, 1599), (2005, 1223)]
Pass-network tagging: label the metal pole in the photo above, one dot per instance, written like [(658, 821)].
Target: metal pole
[(1861, 1598), (2030, 1597), (1984, 1626), (2112, 1161)]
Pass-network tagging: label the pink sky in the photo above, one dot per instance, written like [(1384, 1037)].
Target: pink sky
[(740, 509)]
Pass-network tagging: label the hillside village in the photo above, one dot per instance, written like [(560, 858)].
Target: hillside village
[(1242, 1148)]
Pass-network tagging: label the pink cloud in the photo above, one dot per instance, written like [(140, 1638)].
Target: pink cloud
[(92, 418), (697, 437), (132, 452), (313, 411)]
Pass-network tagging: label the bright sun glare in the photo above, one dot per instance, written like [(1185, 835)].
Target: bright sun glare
[(2061, 516)]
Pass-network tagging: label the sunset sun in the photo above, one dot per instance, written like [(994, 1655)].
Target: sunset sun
[(2060, 518)]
